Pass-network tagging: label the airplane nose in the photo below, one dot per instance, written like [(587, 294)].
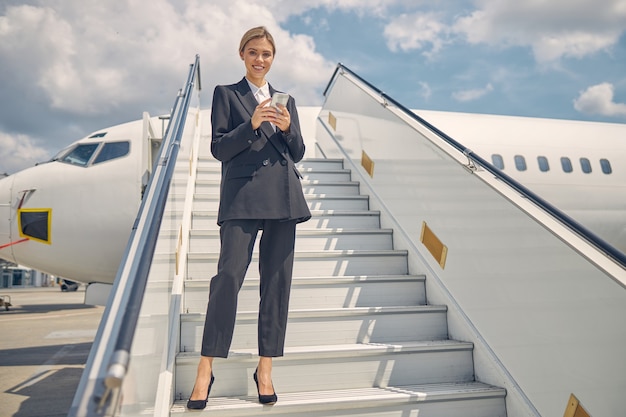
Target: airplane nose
[(5, 214)]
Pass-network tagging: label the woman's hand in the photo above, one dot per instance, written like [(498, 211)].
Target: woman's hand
[(265, 113), (282, 119)]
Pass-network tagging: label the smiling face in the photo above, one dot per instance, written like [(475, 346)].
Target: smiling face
[(257, 55)]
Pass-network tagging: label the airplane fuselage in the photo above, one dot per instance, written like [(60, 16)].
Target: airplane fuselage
[(72, 217)]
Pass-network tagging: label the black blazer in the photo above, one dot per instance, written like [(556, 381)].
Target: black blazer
[(259, 176)]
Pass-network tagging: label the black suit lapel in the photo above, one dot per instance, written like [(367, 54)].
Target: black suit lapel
[(246, 97), (249, 102)]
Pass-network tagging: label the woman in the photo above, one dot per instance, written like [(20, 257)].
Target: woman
[(258, 146)]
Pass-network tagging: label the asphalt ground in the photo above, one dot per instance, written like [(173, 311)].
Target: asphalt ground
[(45, 338)]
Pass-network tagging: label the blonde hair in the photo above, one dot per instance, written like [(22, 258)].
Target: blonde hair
[(259, 32)]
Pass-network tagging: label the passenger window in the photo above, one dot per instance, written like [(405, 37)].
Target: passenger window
[(81, 154), (544, 166), (497, 160), (520, 163), (566, 164), (112, 150), (585, 165), (606, 166)]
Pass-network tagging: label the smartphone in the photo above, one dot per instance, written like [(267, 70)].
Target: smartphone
[(279, 98)]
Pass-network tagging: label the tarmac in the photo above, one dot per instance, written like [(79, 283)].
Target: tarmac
[(45, 338)]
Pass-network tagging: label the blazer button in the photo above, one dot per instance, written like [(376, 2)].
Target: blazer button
[(283, 162), (266, 162)]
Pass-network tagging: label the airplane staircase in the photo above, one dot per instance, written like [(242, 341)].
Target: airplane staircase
[(362, 338), (380, 323)]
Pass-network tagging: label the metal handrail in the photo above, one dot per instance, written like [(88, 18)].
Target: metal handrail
[(102, 396), (153, 215), (586, 234)]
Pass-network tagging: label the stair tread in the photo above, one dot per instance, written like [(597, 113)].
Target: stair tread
[(296, 353), (207, 157), (203, 282), (329, 253), (331, 312), (305, 232), (304, 182), (217, 168), (216, 195), (339, 311), (356, 398), (213, 213)]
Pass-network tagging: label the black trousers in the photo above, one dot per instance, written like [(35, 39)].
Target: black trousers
[(276, 253)]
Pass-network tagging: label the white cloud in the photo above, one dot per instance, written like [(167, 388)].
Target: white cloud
[(114, 55), (553, 29), (103, 63), (473, 94), (426, 92), (19, 151), (416, 31), (285, 8), (598, 99)]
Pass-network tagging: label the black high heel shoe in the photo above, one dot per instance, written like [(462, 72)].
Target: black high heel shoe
[(200, 404), (265, 399)]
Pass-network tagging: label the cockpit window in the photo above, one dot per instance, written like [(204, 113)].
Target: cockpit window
[(81, 154), (112, 150)]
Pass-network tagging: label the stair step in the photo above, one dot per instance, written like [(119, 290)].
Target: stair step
[(315, 174), (306, 239), (323, 292), (215, 173), (337, 367), (337, 202), (470, 399), (320, 163), (320, 219), (340, 326), (207, 240), (309, 187), (210, 201), (309, 263), (308, 163)]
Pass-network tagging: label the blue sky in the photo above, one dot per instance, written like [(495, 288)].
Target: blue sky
[(70, 67), (477, 78)]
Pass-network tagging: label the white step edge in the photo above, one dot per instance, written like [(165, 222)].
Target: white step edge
[(322, 254), (301, 403), (361, 350), (319, 280), (332, 312)]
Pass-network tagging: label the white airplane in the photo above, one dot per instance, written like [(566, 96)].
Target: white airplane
[(72, 216), (576, 166)]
